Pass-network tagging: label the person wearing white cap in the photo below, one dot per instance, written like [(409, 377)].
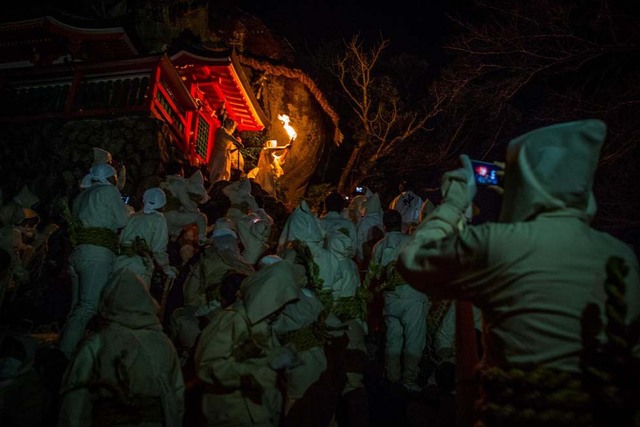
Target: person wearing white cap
[(127, 373), (183, 197), (98, 214), (102, 156), (238, 356), (534, 273), (201, 288), (222, 256), (143, 241)]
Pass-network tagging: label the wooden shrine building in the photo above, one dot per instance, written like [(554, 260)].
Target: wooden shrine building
[(52, 70)]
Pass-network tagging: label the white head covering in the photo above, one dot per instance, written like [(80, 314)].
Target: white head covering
[(26, 198), (223, 227), (239, 194), (340, 244), (154, 199), (301, 225), (101, 156), (268, 260), (373, 205), (196, 186), (127, 301), (223, 232), (268, 289), (552, 169), (100, 172), (254, 232), (367, 192), (240, 191)]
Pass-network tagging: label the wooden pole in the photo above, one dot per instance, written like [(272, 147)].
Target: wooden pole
[(466, 361)]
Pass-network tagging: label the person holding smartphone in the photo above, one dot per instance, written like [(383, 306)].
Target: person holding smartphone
[(535, 272), (102, 156)]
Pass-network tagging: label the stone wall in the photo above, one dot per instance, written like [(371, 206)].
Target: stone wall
[(50, 157)]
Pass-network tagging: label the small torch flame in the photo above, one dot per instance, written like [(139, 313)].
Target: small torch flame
[(285, 122)]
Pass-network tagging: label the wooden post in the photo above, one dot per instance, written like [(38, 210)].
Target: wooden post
[(466, 361)]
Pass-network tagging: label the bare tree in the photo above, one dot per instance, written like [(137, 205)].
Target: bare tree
[(382, 118), (527, 64)]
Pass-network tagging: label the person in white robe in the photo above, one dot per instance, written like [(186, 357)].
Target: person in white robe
[(143, 241), (98, 214), (238, 356), (128, 372)]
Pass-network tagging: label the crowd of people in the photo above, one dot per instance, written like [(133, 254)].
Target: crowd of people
[(198, 306)]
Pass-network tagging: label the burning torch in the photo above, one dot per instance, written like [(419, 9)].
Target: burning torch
[(287, 127)]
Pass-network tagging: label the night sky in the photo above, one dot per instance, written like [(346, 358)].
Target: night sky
[(411, 26), (417, 27)]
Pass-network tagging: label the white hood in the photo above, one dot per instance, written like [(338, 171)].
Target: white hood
[(268, 290), (373, 205), (552, 169), (301, 225), (196, 186), (127, 301)]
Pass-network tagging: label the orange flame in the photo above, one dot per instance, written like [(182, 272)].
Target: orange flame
[(285, 122)]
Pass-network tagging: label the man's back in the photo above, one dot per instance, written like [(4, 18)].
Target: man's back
[(535, 272), (101, 206), (533, 281)]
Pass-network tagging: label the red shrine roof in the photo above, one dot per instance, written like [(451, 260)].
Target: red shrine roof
[(42, 48), (219, 78)]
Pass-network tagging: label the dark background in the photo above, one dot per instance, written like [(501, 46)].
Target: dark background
[(411, 26)]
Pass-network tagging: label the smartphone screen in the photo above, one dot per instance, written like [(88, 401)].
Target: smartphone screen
[(485, 173)]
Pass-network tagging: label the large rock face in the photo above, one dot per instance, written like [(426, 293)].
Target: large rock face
[(221, 25), (289, 96)]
